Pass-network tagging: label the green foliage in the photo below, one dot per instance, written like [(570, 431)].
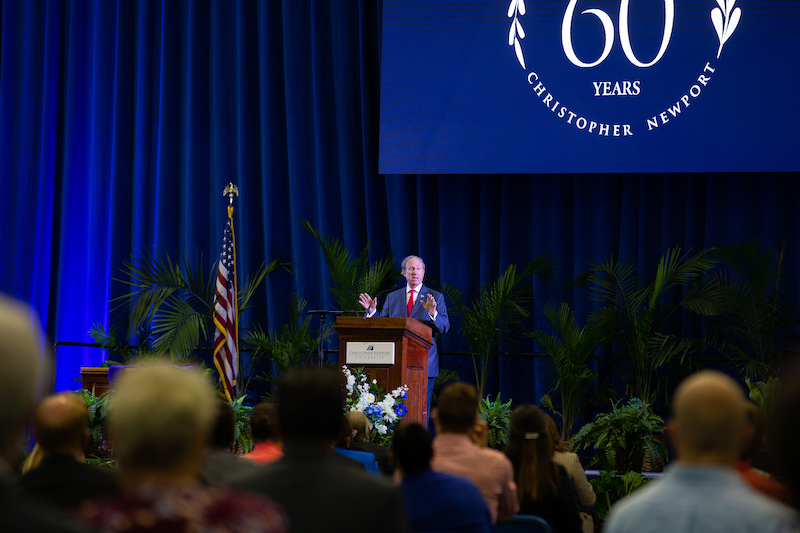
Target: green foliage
[(622, 437), (494, 319), (497, 416), (641, 319), (350, 277), (610, 489), (445, 376), (179, 302), (293, 346), (140, 345), (244, 439), (763, 393), (754, 322), (97, 409), (570, 350)]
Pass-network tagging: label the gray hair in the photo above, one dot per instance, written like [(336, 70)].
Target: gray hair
[(158, 413), (21, 349), (406, 260)]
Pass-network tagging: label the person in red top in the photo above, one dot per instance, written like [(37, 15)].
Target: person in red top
[(753, 441), (264, 428)]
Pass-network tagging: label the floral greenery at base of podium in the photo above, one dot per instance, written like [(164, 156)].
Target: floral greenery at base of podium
[(384, 411)]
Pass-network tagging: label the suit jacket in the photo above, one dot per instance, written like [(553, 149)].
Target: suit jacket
[(319, 493), (23, 514), (66, 483), (395, 306)]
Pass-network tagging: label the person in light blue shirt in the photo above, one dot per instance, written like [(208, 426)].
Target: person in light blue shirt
[(703, 492)]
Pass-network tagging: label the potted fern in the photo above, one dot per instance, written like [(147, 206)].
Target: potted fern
[(623, 437)]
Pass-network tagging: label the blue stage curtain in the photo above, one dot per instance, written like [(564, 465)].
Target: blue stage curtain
[(122, 121)]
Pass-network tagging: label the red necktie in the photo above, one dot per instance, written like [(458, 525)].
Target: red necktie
[(410, 302)]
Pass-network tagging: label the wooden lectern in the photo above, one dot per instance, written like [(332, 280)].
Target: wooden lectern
[(411, 339)]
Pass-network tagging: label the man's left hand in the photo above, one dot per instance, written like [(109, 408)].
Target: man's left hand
[(429, 303)]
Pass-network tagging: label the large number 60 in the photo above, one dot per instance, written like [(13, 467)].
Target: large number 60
[(608, 29)]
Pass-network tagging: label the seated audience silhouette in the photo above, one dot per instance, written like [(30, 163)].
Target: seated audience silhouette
[(753, 441), (62, 478), (343, 447), (436, 501), (222, 465), (456, 453), (318, 492), (543, 486), (702, 492), (161, 420), (264, 429), (362, 428), (572, 464), (22, 350)]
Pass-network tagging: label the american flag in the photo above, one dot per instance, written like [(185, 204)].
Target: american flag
[(226, 335)]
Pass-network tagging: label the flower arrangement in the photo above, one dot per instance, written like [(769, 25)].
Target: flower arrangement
[(383, 411)]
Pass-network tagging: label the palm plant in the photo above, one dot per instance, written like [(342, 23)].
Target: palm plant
[(570, 349), (641, 319), (755, 324), (492, 320), (293, 346), (350, 277), (179, 302)]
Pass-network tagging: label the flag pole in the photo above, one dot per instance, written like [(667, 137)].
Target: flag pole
[(226, 312), (231, 190)]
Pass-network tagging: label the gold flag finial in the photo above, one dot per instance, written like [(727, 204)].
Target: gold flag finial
[(230, 191)]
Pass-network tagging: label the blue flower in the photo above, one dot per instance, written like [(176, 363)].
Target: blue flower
[(374, 411), (400, 410)]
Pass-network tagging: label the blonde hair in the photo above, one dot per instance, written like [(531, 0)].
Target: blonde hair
[(158, 413), (360, 424)]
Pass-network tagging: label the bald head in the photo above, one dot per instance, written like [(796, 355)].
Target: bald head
[(708, 418), (61, 425)]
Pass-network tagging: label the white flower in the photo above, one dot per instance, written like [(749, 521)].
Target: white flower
[(380, 428)]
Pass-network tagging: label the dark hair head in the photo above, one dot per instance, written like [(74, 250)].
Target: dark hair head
[(263, 422), (224, 430), (530, 451), (458, 407), (345, 434), (310, 406), (412, 447)]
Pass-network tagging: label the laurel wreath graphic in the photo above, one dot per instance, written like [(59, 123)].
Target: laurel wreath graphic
[(515, 33), (725, 20)]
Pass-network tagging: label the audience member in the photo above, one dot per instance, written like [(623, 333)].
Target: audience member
[(753, 441), (363, 429), (63, 479), (783, 432), (316, 490), (32, 460), (161, 420), (264, 428), (343, 448), (436, 501), (222, 465), (456, 453), (543, 485), (703, 492), (572, 464), (21, 352)]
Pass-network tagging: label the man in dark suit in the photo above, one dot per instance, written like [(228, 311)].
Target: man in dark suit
[(63, 479), (415, 301), (316, 490), (22, 349)]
